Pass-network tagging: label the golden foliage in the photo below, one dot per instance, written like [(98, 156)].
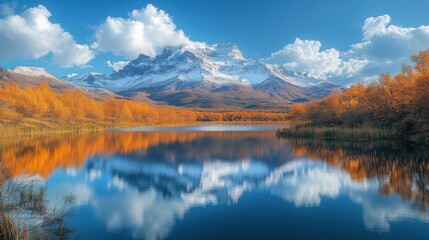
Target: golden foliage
[(401, 171), (395, 102), (74, 108), (45, 154)]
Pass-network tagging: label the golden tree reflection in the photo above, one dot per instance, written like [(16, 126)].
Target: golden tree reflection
[(401, 169), (43, 155)]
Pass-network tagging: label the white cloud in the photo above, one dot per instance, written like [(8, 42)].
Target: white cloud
[(151, 215), (384, 48), (71, 75), (305, 184), (94, 174), (374, 26), (389, 43), (146, 212), (146, 31), (306, 56), (32, 35), (116, 66), (379, 211)]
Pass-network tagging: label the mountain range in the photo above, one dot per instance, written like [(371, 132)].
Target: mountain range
[(200, 76)]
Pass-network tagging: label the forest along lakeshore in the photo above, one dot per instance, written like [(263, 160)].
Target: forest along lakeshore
[(392, 108), (41, 109)]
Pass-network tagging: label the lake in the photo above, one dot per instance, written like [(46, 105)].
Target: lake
[(228, 182)]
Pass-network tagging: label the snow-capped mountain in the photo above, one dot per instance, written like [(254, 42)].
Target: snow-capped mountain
[(88, 80), (31, 71), (35, 76), (204, 75), (31, 76)]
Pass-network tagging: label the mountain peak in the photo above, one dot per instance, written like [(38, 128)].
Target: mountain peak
[(32, 71), (218, 64), (168, 50), (186, 75), (229, 49)]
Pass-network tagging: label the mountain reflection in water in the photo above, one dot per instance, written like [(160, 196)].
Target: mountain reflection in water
[(143, 183)]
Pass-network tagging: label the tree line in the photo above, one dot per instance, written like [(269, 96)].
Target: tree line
[(241, 116), (43, 105), (399, 103)]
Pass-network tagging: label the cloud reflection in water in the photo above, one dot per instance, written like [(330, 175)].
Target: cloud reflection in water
[(146, 182)]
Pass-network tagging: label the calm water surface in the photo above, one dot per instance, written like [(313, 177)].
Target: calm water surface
[(229, 182)]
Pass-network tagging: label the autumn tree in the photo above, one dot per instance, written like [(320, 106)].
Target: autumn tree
[(398, 102)]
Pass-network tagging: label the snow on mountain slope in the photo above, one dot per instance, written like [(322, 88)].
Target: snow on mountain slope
[(31, 71), (202, 75), (31, 76), (89, 80), (218, 64)]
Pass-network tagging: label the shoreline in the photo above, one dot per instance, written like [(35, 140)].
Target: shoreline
[(341, 133), (26, 131), (353, 134)]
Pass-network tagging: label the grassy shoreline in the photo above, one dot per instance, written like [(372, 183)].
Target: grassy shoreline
[(8, 130), (20, 131), (341, 133)]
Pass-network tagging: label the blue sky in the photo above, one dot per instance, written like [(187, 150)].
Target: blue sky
[(331, 29)]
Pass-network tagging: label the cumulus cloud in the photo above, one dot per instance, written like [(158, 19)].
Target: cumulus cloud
[(384, 47), (32, 35), (386, 42), (307, 56), (136, 202), (151, 215), (374, 26), (146, 31), (304, 183), (116, 66)]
